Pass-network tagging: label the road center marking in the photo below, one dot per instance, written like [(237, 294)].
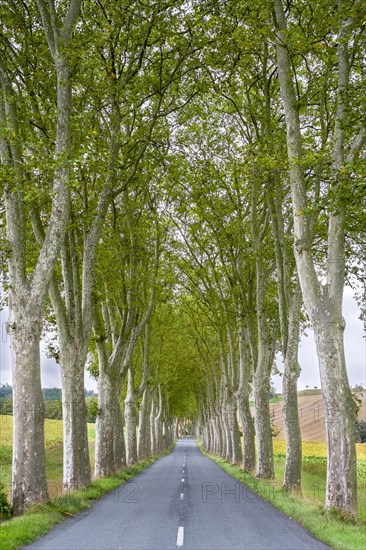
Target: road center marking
[(180, 536), (181, 496), (182, 479)]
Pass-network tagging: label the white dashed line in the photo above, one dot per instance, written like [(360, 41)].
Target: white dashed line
[(182, 479), (180, 536), (181, 496)]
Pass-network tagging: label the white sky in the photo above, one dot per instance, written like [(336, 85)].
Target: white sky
[(355, 349), (50, 371)]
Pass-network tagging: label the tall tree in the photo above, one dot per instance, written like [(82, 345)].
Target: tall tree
[(28, 291), (323, 301)]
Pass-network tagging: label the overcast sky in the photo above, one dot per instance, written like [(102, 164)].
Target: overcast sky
[(355, 349)]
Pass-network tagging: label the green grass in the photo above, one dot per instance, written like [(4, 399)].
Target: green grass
[(307, 508), (276, 399), (54, 460), (54, 453), (42, 517)]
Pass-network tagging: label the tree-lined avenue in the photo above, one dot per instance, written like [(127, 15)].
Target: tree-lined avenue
[(148, 513)]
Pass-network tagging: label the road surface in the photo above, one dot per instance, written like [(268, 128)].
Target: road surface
[(185, 501)]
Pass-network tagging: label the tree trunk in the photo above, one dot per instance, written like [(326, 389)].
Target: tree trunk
[(143, 436), (245, 414), (219, 434), (324, 302), (158, 430), (236, 450), (340, 414), (265, 467), (29, 473), (158, 435), (206, 438), (261, 379), (228, 451), (76, 465), (247, 424), (211, 435), (292, 478), (29, 480), (152, 427), (176, 428), (109, 442), (130, 422), (264, 353)]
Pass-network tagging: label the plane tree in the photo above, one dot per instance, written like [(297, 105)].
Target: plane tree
[(340, 141), (45, 37)]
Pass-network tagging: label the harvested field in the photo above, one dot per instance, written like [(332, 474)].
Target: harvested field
[(311, 417)]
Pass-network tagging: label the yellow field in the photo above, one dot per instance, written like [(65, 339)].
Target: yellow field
[(53, 432), (53, 437), (315, 448)]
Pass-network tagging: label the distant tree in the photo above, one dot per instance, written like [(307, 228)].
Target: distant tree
[(92, 408), (51, 394), (272, 391), (6, 405), (361, 431), (5, 390), (53, 409)]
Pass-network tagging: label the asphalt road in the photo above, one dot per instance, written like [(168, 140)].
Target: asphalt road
[(182, 501)]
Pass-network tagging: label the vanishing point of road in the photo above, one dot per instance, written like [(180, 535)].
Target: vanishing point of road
[(182, 501)]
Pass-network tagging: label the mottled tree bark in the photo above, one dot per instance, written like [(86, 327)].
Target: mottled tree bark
[(76, 464), (109, 444), (264, 355), (236, 451), (28, 294), (144, 436), (290, 410), (29, 480), (132, 398), (245, 414), (324, 301), (131, 421), (265, 466), (152, 426)]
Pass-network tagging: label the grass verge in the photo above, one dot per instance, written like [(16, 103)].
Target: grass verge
[(332, 529), (39, 519)]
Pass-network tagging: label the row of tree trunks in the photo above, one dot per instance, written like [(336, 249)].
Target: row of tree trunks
[(153, 433), (109, 443), (218, 424)]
